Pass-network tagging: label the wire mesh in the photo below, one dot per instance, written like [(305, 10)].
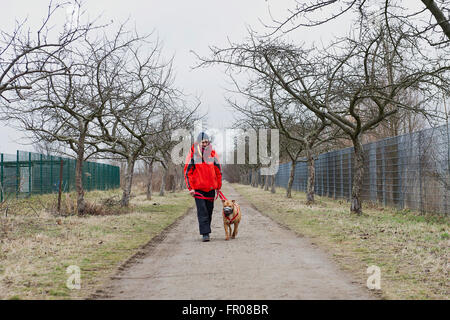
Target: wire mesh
[(27, 173), (408, 171)]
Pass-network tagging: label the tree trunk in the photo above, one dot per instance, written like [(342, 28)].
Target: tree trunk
[(181, 179), (356, 205), (291, 179), (311, 179), (81, 204), (123, 169), (263, 178), (149, 180), (439, 15), (172, 179), (258, 176), (163, 182), (128, 183), (266, 183), (272, 182), (173, 183)]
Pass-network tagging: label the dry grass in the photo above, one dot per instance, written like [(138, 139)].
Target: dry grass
[(411, 250), (37, 246)]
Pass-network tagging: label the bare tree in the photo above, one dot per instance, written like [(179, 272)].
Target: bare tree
[(63, 108), (28, 56), (293, 151), (301, 129), (55, 109), (343, 82), (132, 115), (428, 22), (149, 173), (137, 115), (402, 122)]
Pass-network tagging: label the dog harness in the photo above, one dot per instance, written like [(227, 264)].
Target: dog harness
[(222, 197), (235, 216)]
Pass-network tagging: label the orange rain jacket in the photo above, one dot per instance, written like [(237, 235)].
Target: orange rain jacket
[(202, 169)]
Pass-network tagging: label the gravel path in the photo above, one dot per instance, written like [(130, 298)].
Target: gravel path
[(265, 261)]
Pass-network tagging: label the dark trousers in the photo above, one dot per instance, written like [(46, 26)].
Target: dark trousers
[(204, 211)]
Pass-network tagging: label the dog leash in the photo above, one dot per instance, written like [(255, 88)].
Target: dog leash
[(219, 193), (198, 195)]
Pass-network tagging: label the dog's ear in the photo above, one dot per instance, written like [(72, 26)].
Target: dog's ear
[(223, 201), (232, 201)]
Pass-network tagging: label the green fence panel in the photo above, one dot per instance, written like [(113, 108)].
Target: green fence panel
[(27, 173), (1, 178)]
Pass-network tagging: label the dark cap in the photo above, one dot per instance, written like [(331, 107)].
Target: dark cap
[(202, 136)]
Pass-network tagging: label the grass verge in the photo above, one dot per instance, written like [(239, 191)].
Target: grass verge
[(36, 247), (411, 250)]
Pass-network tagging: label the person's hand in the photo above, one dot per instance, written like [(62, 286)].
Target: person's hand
[(192, 192)]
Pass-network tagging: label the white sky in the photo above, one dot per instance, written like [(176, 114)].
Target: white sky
[(182, 26)]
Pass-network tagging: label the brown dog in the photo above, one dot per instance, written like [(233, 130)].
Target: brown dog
[(231, 215)]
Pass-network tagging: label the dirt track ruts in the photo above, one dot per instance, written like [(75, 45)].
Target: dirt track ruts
[(265, 261)]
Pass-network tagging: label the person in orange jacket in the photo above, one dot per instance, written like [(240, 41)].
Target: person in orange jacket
[(203, 176)]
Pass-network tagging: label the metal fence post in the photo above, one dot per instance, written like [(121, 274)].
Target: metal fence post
[(61, 164), (88, 163), (350, 175), (110, 177), (99, 175), (420, 172), (29, 173), (448, 162), (17, 174), (68, 175), (334, 175), (103, 176), (342, 176), (400, 159), (2, 185), (328, 175), (40, 174), (322, 191), (383, 170), (51, 173)]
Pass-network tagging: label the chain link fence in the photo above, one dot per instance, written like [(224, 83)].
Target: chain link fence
[(407, 171), (27, 173)]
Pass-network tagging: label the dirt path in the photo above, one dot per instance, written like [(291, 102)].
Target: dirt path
[(265, 261)]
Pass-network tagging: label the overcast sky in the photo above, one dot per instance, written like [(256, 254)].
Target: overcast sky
[(182, 26)]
